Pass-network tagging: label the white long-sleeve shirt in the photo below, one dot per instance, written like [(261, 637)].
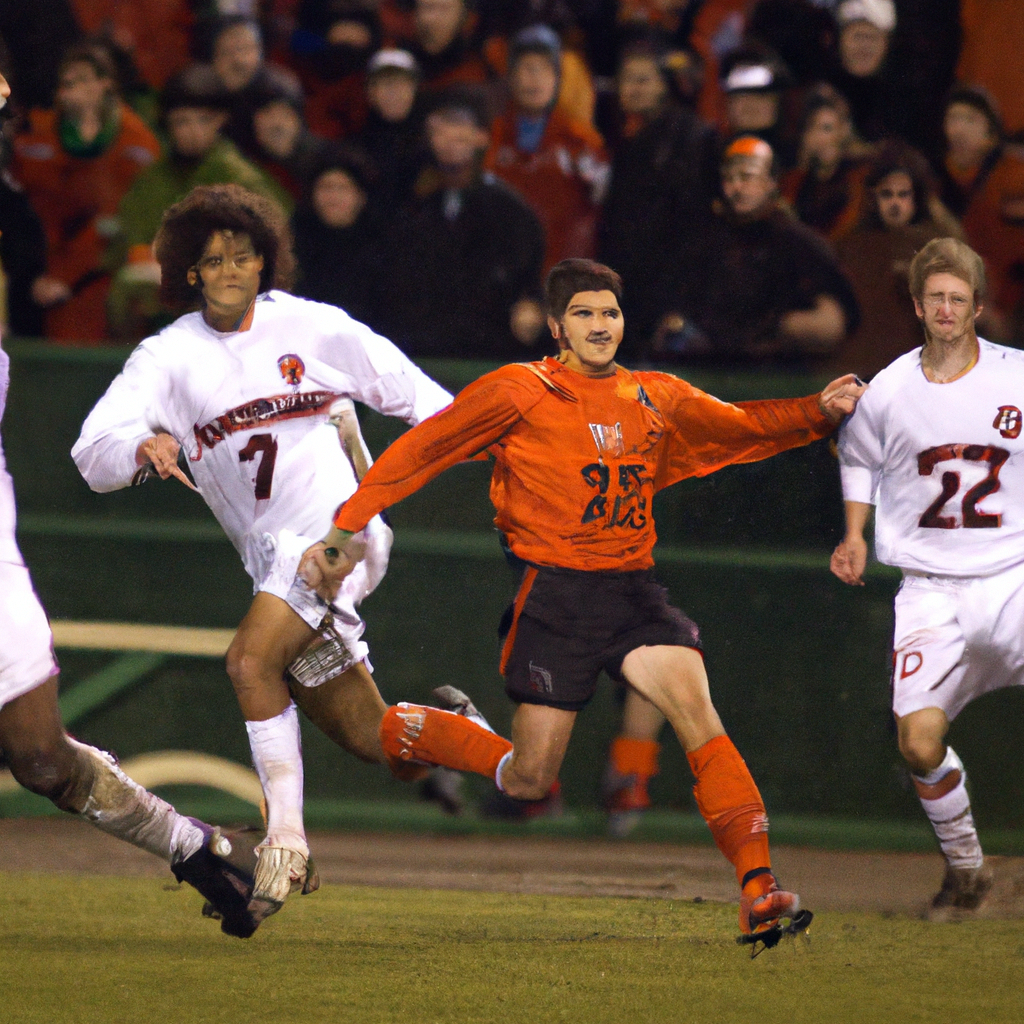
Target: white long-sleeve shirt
[(942, 463), (250, 409), (8, 517)]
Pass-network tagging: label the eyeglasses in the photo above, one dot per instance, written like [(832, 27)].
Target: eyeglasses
[(934, 301), (240, 261)]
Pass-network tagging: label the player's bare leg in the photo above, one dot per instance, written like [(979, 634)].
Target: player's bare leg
[(83, 780), (673, 679), (941, 784), (540, 736), (269, 639), (348, 709)]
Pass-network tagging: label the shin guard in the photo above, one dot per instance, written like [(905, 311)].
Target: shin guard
[(101, 793), (730, 803), (414, 733), (943, 795)]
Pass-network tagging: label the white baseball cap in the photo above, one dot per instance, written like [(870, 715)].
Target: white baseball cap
[(880, 13)]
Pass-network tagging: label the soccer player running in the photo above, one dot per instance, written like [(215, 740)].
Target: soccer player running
[(581, 445), (76, 777), (935, 449), (256, 386)]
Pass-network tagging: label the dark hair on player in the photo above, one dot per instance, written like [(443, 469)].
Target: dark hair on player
[(947, 256), (578, 275), (187, 226)]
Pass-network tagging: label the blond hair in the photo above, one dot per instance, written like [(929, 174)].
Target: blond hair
[(947, 256)]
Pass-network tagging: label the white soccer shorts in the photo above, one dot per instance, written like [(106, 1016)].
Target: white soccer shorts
[(26, 643), (280, 580), (957, 638)]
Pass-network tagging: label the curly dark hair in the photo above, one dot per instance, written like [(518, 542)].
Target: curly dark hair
[(187, 226)]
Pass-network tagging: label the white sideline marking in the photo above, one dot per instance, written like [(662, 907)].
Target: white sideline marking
[(128, 636)]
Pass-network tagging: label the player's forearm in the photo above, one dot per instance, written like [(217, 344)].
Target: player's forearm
[(475, 420), (107, 463), (857, 515)]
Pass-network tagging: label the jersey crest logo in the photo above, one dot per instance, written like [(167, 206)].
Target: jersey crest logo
[(292, 369), (1008, 421), (608, 439)]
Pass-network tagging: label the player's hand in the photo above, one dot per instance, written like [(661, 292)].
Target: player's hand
[(840, 397), (325, 564), (849, 560), (161, 452)]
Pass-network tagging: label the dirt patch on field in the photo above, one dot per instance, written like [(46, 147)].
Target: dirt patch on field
[(826, 880)]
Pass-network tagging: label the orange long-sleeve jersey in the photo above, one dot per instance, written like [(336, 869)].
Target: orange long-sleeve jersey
[(578, 459)]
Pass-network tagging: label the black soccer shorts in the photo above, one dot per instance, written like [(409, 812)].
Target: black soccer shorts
[(566, 625)]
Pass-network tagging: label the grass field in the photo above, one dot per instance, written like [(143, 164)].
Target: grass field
[(111, 950)]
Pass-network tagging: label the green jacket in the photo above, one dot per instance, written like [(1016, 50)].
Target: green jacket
[(165, 182)]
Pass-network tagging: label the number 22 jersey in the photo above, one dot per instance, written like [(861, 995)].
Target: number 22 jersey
[(943, 464)]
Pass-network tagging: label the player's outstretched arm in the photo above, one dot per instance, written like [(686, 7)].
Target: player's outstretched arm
[(840, 398), (851, 555)]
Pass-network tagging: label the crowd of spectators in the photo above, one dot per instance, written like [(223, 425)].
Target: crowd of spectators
[(760, 171)]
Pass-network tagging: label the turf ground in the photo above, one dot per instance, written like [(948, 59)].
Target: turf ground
[(98, 932)]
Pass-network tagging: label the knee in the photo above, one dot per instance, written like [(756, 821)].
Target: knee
[(243, 667), (47, 769), (922, 751)]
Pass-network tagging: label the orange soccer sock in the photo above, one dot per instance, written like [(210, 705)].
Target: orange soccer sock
[(414, 733), (638, 758), (729, 800)]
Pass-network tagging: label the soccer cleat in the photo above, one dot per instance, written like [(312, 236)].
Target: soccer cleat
[(450, 698), (227, 888), (761, 918), (962, 889), (279, 871), (444, 788)]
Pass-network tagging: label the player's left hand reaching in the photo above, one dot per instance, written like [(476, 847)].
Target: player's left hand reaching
[(840, 398), (325, 564)]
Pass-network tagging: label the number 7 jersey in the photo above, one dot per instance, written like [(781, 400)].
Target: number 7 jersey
[(250, 410), (943, 464)]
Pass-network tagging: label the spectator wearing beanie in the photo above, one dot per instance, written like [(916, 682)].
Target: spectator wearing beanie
[(334, 232), (559, 166), (285, 147)]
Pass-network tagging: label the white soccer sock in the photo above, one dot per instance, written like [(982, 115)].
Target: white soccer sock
[(943, 795), (501, 767), (276, 746), (121, 807)]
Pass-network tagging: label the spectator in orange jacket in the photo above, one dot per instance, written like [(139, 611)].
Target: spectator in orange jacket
[(76, 162), (559, 165)]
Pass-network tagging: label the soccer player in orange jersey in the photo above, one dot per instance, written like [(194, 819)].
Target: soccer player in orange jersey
[(581, 445)]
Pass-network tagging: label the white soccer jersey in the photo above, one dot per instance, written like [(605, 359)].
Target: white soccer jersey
[(8, 546), (250, 409), (943, 464)]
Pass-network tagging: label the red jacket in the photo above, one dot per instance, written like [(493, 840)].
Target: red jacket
[(563, 181)]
